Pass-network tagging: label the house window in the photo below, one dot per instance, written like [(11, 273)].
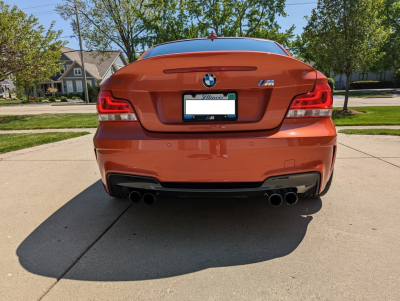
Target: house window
[(67, 67), (70, 87), (381, 76), (363, 76), (62, 69), (79, 87), (89, 82), (77, 71)]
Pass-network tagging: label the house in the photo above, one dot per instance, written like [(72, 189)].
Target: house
[(5, 88), (340, 80), (70, 77)]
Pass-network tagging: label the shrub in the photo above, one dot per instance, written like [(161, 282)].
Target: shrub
[(52, 99), (331, 83), (370, 84), (75, 97), (64, 99), (93, 92), (396, 78)]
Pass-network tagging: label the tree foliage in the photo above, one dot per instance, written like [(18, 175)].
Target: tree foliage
[(391, 47), (346, 35), (27, 50), (107, 22), (134, 25), (242, 18)]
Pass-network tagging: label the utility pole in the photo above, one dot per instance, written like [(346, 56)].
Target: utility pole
[(81, 50)]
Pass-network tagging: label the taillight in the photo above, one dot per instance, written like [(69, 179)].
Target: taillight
[(317, 103), (112, 109)]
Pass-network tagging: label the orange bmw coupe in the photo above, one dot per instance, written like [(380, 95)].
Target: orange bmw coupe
[(216, 117)]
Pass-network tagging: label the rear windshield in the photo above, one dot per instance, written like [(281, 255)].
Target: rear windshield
[(221, 44)]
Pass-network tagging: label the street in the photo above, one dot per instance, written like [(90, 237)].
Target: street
[(63, 238)]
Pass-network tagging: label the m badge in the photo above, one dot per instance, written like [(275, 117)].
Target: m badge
[(266, 82)]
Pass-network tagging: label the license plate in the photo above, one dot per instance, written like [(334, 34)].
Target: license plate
[(210, 106)]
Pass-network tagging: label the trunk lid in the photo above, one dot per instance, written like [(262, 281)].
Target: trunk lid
[(155, 90)]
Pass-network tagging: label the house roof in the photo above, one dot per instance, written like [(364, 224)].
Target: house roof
[(95, 63)]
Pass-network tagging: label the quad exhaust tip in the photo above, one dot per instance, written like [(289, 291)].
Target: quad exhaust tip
[(148, 198), (291, 198), (275, 200), (135, 197)]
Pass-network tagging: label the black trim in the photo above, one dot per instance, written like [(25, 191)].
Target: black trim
[(132, 182)]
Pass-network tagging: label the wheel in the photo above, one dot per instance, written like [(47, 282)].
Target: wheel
[(313, 193)]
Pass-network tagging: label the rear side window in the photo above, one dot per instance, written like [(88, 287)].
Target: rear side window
[(219, 44)]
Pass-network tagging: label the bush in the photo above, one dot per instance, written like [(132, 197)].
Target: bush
[(396, 78), (370, 84), (93, 92), (75, 97), (52, 99), (331, 83), (64, 98)]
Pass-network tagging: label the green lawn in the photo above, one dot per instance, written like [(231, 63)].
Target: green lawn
[(372, 116), (361, 94), (12, 142), (392, 132), (47, 121)]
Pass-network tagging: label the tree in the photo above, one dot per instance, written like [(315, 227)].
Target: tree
[(346, 35), (299, 49), (105, 22), (133, 25), (171, 21), (243, 18), (391, 46), (26, 48)]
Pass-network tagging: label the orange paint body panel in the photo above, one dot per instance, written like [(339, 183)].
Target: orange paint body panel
[(263, 142)]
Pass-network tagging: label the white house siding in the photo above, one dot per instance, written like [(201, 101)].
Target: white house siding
[(340, 80)]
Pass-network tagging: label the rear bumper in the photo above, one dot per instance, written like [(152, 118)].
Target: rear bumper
[(302, 182), (297, 146)]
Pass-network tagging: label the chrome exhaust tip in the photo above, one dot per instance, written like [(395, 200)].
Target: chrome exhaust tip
[(275, 199), (291, 198), (148, 198), (135, 197)]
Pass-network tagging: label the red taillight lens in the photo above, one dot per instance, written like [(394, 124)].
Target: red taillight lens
[(112, 109), (317, 103)]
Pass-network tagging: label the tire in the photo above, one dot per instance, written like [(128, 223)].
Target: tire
[(312, 194)]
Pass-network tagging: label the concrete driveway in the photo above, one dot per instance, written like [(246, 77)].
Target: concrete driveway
[(63, 238)]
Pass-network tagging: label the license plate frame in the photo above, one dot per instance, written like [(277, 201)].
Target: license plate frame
[(193, 101)]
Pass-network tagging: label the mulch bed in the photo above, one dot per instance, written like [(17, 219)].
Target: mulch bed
[(347, 112)]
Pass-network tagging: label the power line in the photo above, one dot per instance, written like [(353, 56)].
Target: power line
[(41, 6)]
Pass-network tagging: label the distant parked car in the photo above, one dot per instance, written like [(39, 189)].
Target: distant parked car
[(216, 116)]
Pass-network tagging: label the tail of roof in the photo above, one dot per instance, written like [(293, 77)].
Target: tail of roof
[(97, 63)]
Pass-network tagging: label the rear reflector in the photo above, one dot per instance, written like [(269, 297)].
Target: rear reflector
[(209, 69), (112, 109), (317, 103)]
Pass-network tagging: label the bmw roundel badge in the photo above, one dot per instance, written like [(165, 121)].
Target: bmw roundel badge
[(209, 80)]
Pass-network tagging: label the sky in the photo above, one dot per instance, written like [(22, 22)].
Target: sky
[(44, 10)]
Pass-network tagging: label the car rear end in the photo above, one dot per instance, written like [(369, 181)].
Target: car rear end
[(263, 126)]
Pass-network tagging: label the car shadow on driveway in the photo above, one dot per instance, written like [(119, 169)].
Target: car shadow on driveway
[(175, 236)]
